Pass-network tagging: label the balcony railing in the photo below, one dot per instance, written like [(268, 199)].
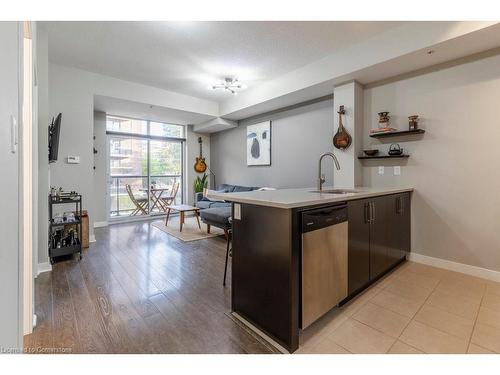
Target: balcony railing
[(121, 204)]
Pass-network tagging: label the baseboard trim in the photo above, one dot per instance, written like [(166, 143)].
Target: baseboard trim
[(457, 267), (100, 224), (133, 219), (43, 267), (91, 238)]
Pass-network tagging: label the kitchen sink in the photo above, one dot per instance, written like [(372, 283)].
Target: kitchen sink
[(336, 191)]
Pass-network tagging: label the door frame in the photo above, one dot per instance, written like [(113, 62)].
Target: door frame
[(27, 143)]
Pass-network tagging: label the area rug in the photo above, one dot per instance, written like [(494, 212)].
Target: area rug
[(190, 230)]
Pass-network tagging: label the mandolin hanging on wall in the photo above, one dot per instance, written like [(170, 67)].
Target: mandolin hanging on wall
[(342, 139)]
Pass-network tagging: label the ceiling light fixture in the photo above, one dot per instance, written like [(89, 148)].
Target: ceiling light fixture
[(229, 84)]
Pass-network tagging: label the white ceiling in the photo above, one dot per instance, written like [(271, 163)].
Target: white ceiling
[(186, 57), (120, 107)]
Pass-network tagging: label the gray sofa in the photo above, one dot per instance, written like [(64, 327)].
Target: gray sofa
[(217, 213)]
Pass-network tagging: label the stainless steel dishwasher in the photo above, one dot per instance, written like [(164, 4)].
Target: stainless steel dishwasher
[(324, 261)]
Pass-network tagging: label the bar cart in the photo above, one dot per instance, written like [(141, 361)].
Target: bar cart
[(65, 231)]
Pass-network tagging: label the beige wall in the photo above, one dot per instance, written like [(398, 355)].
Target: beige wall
[(454, 167)]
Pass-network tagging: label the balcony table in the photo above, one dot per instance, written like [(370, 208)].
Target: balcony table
[(156, 194)]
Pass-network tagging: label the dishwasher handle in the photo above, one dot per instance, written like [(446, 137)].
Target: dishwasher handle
[(323, 217)]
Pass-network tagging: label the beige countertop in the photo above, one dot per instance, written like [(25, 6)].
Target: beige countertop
[(293, 198)]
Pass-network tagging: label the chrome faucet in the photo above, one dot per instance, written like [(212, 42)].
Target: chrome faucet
[(321, 176)]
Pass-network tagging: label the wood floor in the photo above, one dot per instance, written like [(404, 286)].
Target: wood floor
[(139, 290)]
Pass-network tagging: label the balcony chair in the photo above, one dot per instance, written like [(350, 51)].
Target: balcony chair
[(170, 199), (141, 204)]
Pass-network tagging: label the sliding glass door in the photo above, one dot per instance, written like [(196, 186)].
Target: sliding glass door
[(165, 168), (145, 166), (128, 159)]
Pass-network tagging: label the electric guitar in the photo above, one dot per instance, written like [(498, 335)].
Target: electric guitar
[(200, 166)]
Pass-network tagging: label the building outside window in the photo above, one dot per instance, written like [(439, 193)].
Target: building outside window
[(145, 166)]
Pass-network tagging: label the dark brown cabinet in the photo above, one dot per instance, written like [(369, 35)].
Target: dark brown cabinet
[(398, 221), (358, 245), (379, 237)]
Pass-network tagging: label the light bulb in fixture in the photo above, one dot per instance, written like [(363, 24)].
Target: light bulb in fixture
[(229, 84)]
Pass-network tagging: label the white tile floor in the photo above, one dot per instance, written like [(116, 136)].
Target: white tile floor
[(414, 309)]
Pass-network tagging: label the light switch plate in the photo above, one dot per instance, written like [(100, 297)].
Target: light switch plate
[(397, 170), (14, 134), (237, 211), (73, 160), (381, 170)]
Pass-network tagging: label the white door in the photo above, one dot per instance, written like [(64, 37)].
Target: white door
[(10, 256)]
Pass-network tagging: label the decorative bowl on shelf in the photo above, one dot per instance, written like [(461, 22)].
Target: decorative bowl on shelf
[(371, 152)]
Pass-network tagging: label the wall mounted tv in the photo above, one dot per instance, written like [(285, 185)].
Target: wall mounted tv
[(54, 130)]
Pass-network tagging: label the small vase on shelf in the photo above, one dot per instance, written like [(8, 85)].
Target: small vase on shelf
[(383, 124), (413, 122)]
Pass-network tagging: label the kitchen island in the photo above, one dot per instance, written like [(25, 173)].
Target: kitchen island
[(297, 252)]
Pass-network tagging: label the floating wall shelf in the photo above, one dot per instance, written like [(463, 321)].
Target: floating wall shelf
[(383, 157), (397, 133)]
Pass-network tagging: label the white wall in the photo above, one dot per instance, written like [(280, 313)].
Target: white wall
[(11, 256), (298, 138), (454, 166), (350, 96), (100, 175), (71, 93)]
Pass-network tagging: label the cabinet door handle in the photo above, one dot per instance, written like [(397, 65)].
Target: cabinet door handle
[(373, 212), (398, 205), (366, 212)]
